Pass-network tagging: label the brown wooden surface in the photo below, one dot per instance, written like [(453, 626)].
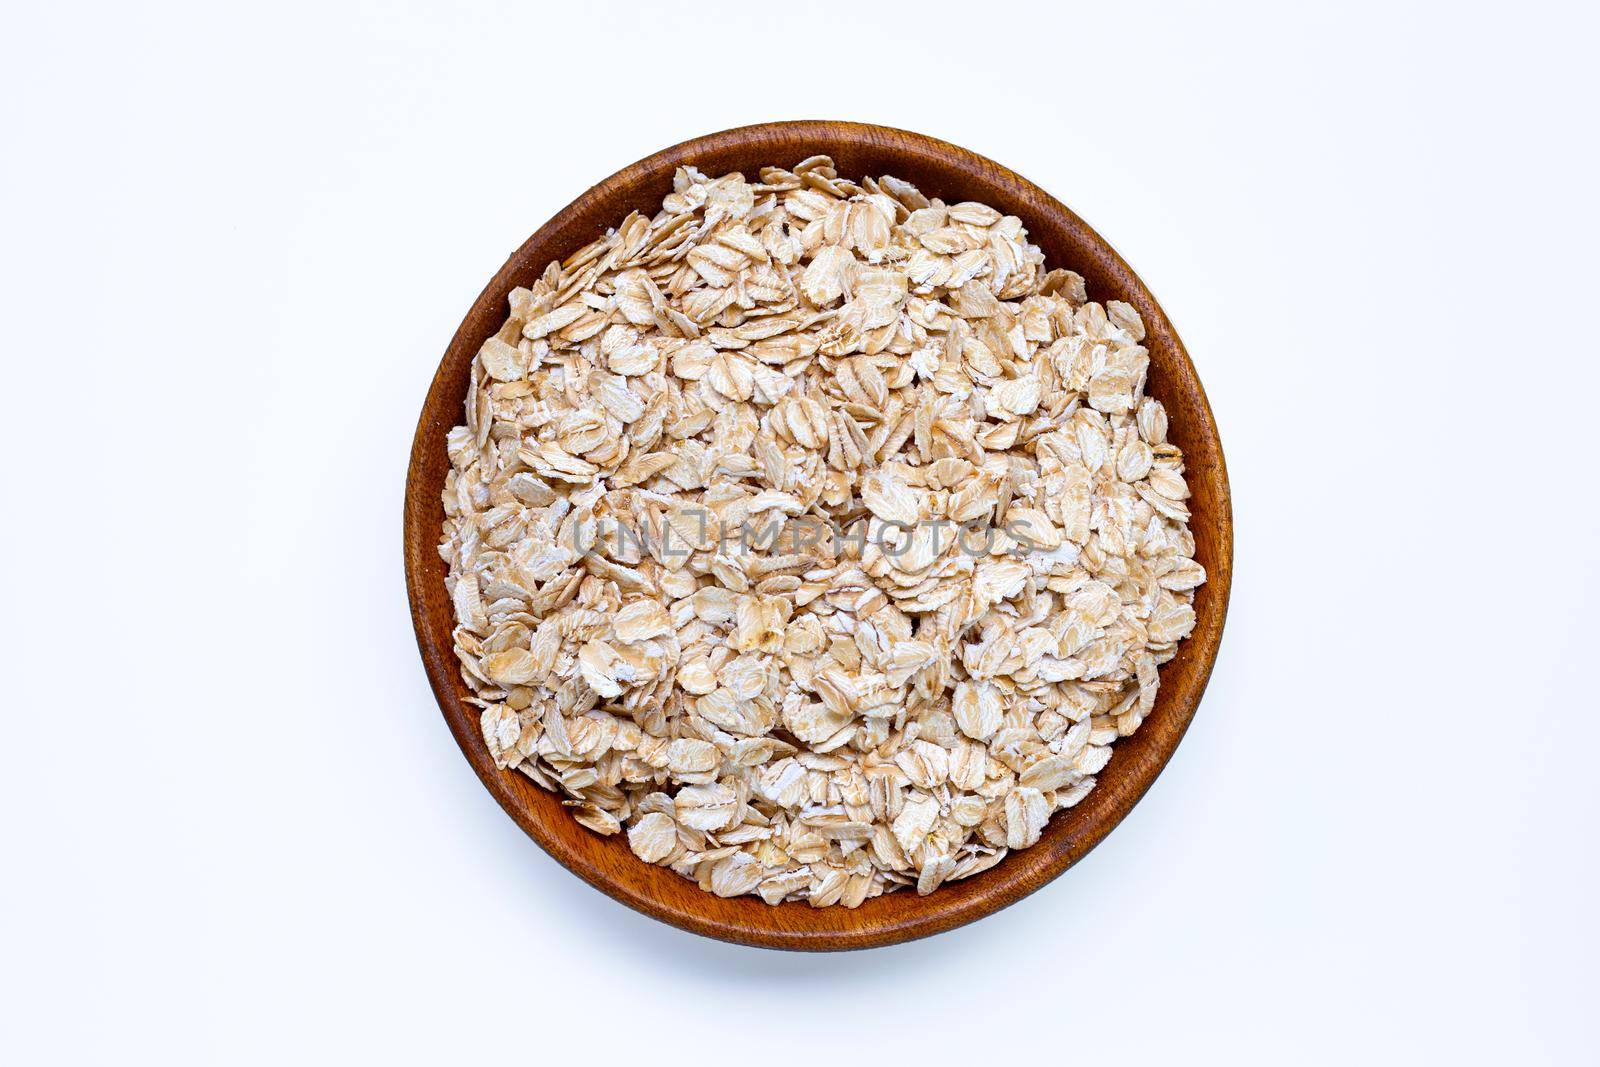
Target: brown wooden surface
[(941, 170)]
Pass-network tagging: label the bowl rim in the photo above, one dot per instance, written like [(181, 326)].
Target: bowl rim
[(792, 925)]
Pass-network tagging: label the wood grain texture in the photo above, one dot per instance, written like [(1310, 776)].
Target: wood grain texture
[(941, 170)]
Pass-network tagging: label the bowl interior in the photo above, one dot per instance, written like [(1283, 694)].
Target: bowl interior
[(940, 170)]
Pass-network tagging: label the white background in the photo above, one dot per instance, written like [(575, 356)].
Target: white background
[(236, 242)]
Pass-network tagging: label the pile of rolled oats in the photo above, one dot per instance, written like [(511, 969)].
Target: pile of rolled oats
[(815, 535)]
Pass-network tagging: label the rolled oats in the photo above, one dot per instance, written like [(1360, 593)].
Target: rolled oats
[(815, 535)]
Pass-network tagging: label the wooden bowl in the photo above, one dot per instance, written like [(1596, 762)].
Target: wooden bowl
[(941, 170)]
